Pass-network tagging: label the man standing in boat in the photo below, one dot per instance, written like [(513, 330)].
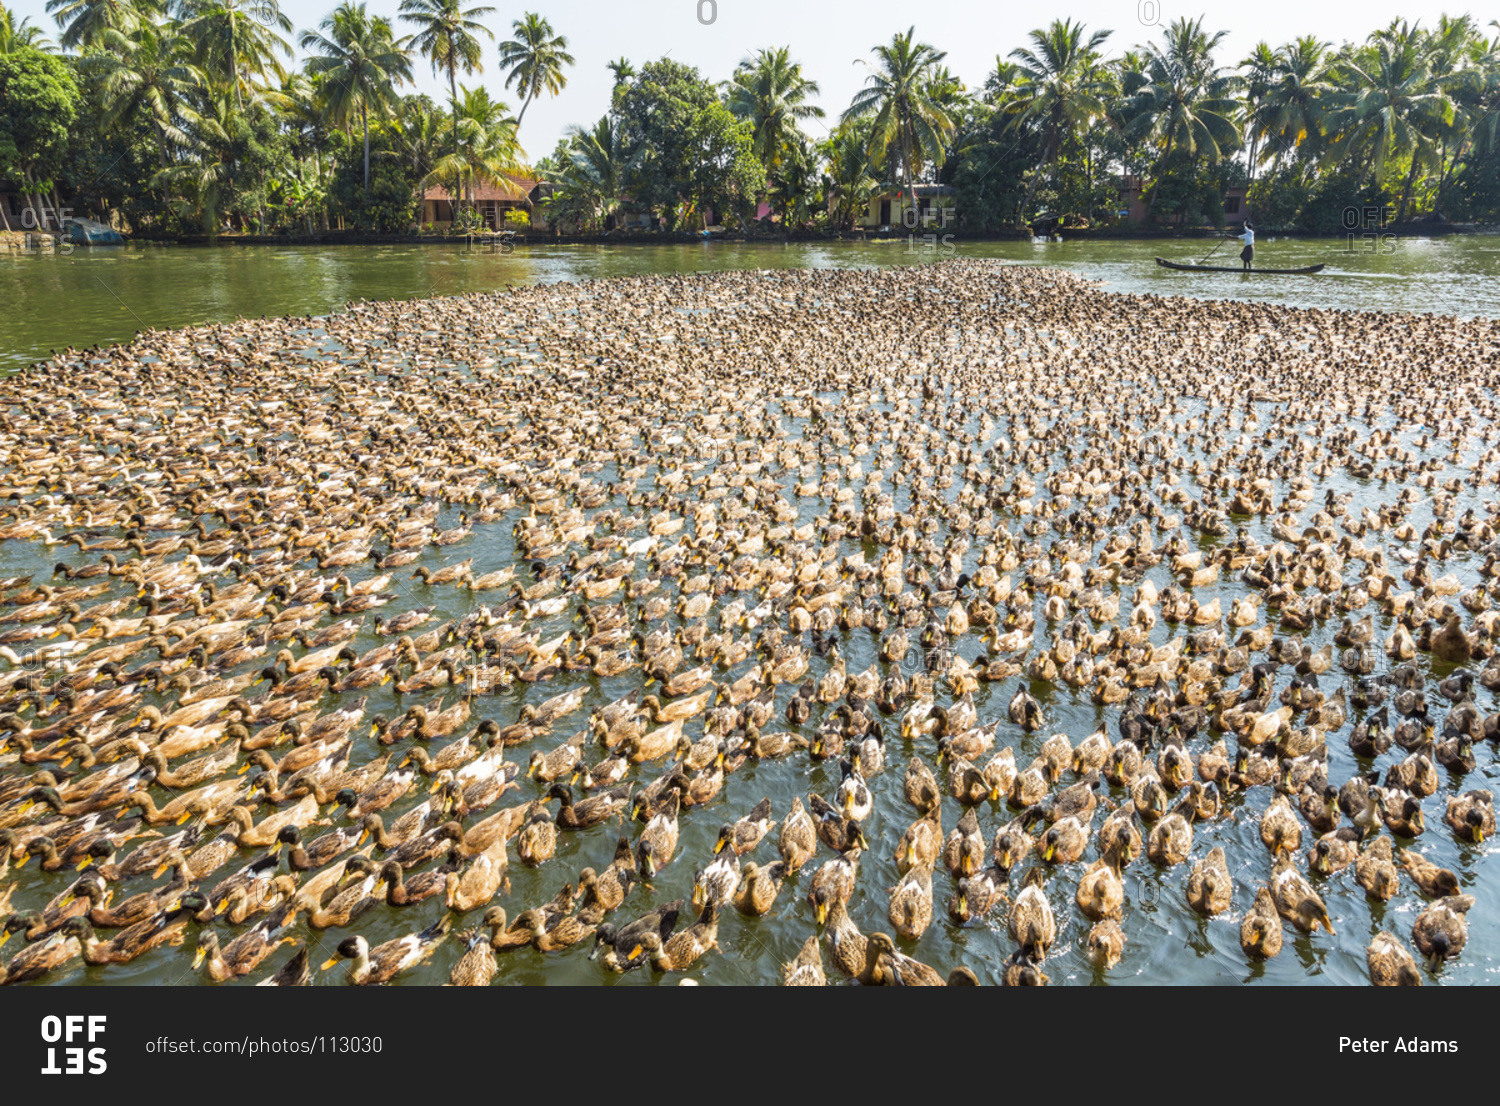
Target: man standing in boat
[(1247, 255)]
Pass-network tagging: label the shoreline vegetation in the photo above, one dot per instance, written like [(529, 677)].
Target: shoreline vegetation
[(21, 241), (167, 119)]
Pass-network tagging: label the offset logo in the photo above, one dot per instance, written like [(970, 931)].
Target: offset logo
[(66, 1039)]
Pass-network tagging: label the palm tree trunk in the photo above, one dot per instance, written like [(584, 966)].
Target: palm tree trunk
[(364, 118), (524, 105)]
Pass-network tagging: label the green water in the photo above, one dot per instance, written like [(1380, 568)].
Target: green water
[(94, 295)]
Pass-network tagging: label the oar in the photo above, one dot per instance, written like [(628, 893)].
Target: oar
[(1213, 251)]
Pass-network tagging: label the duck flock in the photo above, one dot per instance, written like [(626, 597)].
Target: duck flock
[(961, 623)]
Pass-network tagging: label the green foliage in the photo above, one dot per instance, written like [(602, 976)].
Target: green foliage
[(987, 169), (693, 151), (393, 203), (39, 101), (1475, 193)]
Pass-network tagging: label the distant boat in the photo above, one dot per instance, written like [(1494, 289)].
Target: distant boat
[(1305, 271), (87, 232)]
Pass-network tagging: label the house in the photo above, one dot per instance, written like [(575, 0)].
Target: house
[(892, 209), (1131, 204), (493, 199)]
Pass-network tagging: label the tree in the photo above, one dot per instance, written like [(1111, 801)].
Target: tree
[(446, 36), (910, 128), (239, 35), (84, 22), (595, 174), (769, 91), (1392, 105), (535, 58), (851, 179), (360, 64), (1292, 113), (694, 153), (622, 70), (489, 150), (39, 100), (1060, 90), (1185, 101), (147, 74), (19, 36)]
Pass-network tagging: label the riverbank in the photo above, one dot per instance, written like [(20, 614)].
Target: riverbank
[(667, 238)]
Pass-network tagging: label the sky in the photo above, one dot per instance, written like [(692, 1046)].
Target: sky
[(831, 40)]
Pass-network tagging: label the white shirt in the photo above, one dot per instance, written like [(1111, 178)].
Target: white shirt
[(1248, 237)]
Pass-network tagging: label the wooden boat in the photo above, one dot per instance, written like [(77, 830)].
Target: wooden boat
[(1165, 264)]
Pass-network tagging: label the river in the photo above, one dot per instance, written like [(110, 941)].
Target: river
[(93, 295)]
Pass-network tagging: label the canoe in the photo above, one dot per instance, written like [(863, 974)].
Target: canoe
[(1165, 264)]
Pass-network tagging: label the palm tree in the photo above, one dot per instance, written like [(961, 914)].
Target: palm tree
[(239, 35), (1001, 83), (535, 58), (593, 181), (359, 63), (417, 126), (19, 36), (489, 150), (908, 126), (851, 179), (1393, 104), (622, 69), (1060, 90), (1293, 108), (148, 73), (770, 91), (1186, 102), (445, 35), (85, 21)]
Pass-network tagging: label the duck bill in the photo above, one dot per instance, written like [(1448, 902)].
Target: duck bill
[(329, 963), (198, 958)]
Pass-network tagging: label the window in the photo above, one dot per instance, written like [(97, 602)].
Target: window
[(1232, 205)]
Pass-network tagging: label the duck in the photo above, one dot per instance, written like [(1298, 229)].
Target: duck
[(798, 841), (1296, 901), (1101, 892), (885, 966), (246, 952), (746, 832), (1260, 929), (1441, 930), (385, 961), (1171, 839), (910, 911), (806, 969), (1471, 816), (758, 888), (1375, 870), (1032, 925), (621, 949), (1209, 886), (684, 948), (1389, 963), (834, 882)]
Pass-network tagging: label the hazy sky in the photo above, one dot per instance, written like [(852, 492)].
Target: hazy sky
[(829, 38)]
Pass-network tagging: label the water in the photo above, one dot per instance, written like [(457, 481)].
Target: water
[(101, 296), (106, 295)]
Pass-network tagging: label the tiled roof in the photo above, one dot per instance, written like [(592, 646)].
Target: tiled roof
[(508, 187)]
